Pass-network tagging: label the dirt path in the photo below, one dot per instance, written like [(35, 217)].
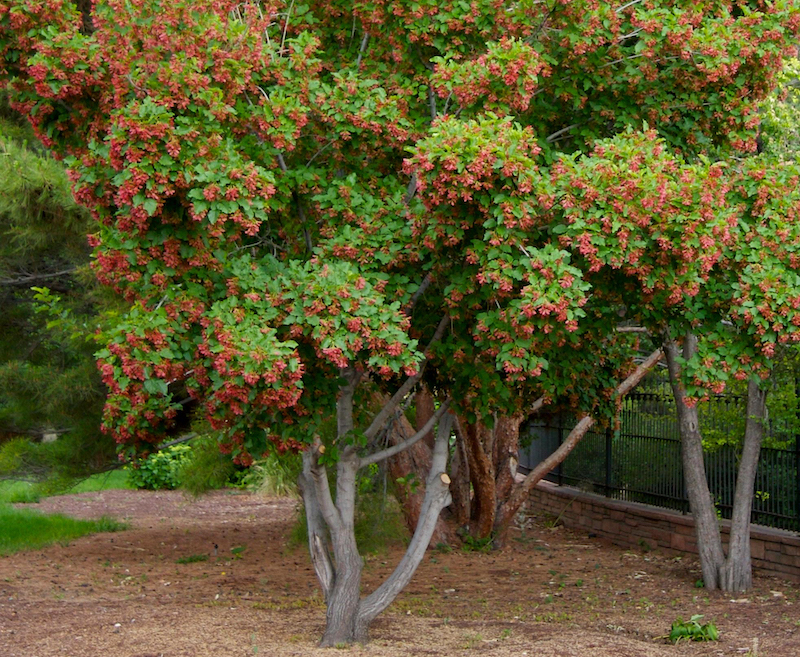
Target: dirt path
[(552, 593)]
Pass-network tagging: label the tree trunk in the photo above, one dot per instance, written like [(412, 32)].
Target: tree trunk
[(506, 454), (425, 408), (737, 572), (348, 616), (460, 486), (476, 438), (709, 541)]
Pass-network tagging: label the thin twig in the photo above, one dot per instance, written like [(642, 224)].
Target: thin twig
[(362, 50), (558, 133)]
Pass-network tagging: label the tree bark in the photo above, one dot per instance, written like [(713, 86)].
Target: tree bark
[(709, 540), (505, 454), (737, 572), (425, 408), (460, 486), (476, 437)]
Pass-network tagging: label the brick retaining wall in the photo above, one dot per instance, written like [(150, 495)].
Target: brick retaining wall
[(630, 524)]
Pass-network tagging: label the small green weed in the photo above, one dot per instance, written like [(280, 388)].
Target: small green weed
[(693, 630), (192, 558), (472, 544)]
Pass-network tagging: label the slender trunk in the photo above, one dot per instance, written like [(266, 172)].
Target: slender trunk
[(505, 454), (476, 437), (317, 530), (521, 492), (425, 409), (437, 496), (737, 572), (409, 465), (709, 540)]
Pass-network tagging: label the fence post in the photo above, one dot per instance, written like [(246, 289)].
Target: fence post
[(560, 472), (797, 480), (609, 437)]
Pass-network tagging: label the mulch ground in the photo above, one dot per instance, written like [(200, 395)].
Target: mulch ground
[(216, 576)]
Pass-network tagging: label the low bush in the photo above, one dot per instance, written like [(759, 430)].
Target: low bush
[(161, 470)]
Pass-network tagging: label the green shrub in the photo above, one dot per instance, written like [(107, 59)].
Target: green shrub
[(206, 468), (161, 470)]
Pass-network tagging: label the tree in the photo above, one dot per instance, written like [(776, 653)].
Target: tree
[(310, 204)]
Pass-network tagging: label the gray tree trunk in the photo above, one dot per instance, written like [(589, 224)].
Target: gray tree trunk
[(709, 540), (332, 523), (737, 572), (733, 573)]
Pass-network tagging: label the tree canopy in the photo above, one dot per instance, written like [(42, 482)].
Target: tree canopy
[(273, 183)]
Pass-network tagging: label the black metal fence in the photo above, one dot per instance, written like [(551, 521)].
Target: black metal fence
[(640, 460)]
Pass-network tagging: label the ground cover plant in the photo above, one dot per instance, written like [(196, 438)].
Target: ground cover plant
[(313, 207), (15, 491)]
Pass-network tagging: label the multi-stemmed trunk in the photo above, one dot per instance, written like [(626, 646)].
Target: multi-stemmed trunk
[(734, 572), (490, 460), (330, 522)]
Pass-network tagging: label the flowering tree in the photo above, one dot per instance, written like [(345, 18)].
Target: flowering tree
[(309, 203)]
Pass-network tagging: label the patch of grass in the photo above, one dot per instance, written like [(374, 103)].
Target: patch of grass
[(17, 492), (112, 480), (23, 529), (192, 558), (276, 475)]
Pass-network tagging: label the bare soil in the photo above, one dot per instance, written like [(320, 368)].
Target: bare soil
[(551, 593)]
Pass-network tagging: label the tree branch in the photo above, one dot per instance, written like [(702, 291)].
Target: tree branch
[(362, 50), (551, 138), (426, 282), (437, 496), (399, 447), (24, 280), (522, 492)]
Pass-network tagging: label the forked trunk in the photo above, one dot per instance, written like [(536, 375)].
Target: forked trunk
[(341, 617), (348, 616), (732, 573)]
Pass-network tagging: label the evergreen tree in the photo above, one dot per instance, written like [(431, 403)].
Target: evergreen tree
[(49, 383)]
